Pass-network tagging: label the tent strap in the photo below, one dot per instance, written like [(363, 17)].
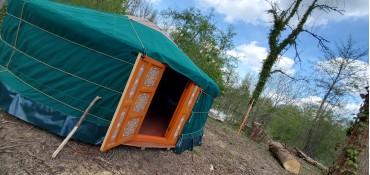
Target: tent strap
[(16, 36), (138, 37), (33, 25)]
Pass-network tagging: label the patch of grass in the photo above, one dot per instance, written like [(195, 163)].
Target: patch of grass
[(197, 152)]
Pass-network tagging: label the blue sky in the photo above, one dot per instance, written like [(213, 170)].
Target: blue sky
[(249, 19), (251, 26)]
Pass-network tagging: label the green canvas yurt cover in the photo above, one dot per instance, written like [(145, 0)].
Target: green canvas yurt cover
[(55, 58)]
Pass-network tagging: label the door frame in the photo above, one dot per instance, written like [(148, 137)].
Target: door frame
[(178, 119), (182, 113)]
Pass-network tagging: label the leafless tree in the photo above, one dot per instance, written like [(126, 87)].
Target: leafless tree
[(140, 8), (341, 72)]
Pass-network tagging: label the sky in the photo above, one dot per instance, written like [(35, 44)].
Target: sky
[(252, 26)]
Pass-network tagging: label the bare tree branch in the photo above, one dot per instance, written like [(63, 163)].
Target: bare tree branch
[(282, 72), (320, 39), (327, 8)]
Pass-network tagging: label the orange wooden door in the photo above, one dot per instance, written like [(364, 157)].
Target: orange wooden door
[(183, 111), (134, 103)]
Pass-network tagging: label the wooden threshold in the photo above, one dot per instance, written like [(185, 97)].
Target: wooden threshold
[(153, 139), (149, 145)]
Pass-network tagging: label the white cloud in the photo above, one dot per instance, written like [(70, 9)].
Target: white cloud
[(311, 100), (355, 8), (351, 9), (251, 56), (344, 110), (353, 107), (254, 11), (249, 11), (285, 64), (354, 74), (155, 1)]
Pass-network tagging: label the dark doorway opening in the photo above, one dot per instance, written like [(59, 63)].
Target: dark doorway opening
[(164, 103)]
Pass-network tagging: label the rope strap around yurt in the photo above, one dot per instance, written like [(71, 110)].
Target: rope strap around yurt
[(199, 112), (16, 36), (15, 49), (49, 96), (138, 37), (86, 47), (53, 67)]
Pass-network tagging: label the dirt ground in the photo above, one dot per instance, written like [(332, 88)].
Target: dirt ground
[(26, 149)]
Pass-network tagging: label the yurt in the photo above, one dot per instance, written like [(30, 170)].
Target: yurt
[(56, 58)]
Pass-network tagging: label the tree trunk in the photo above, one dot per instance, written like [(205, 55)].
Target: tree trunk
[(285, 157), (354, 158), (364, 154), (312, 161), (311, 142)]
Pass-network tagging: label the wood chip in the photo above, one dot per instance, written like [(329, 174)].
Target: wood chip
[(12, 146), (103, 160), (32, 155), (5, 121)]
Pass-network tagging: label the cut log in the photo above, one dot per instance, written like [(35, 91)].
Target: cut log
[(311, 161), (285, 157), (254, 129), (257, 134), (266, 139), (260, 135)]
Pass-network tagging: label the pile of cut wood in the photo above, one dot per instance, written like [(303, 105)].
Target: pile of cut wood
[(257, 134), (281, 153)]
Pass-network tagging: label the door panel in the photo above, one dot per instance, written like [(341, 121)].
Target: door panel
[(134, 102), (183, 111)]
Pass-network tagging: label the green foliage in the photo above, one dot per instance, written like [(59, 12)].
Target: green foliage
[(288, 126), (338, 75), (264, 75), (280, 39), (2, 13), (139, 8), (351, 161), (285, 122), (113, 6), (197, 152), (291, 124), (362, 127), (326, 151), (277, 42), (352, 157), (198, 36), (234, 100)]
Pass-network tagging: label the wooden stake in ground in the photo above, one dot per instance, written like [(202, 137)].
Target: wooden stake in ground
[(75, 128), (246, 116), (285, 158)]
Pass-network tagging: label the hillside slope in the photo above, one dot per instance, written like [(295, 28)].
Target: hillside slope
[(26, 149)]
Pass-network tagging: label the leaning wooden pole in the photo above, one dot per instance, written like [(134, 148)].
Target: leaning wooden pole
[(246, 116), (75, 128), (311, 161)]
